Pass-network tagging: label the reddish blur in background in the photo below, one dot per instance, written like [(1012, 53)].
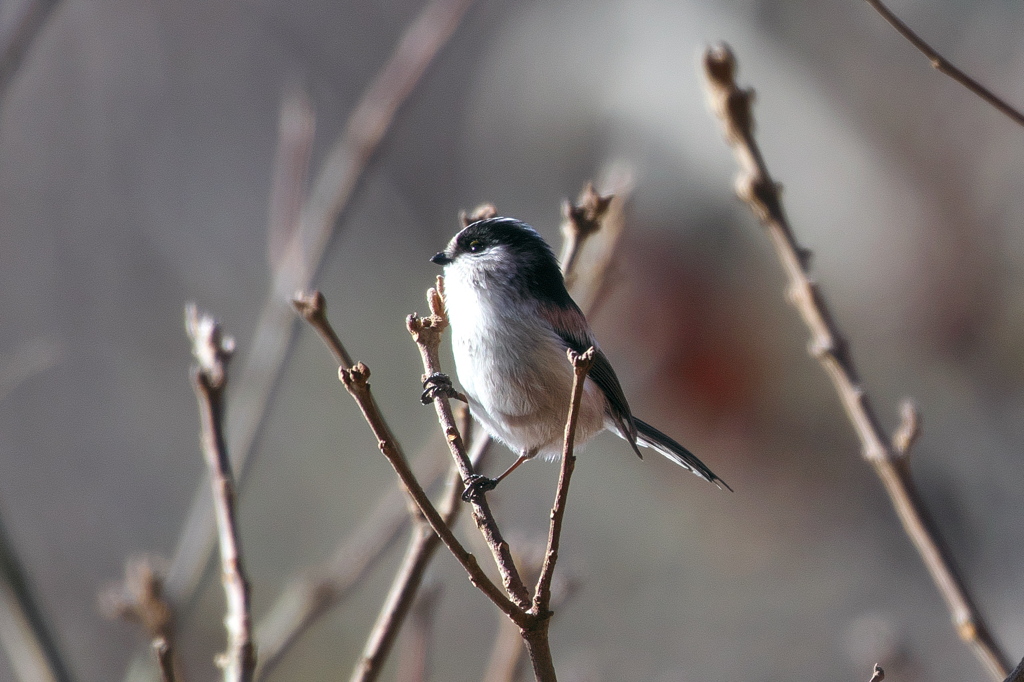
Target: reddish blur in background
[(136, 157)]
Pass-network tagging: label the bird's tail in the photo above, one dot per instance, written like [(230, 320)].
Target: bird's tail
[(650, 437)]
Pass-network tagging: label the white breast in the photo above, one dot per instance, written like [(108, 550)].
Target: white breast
[(512, 365)]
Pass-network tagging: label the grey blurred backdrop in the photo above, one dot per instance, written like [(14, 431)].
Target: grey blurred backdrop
[(136, 153)]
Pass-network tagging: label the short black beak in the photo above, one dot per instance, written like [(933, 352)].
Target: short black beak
[(440, 258)]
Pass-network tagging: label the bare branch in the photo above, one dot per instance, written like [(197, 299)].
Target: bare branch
[(481, 212), (312, 307), (582, 219), (581, 364), (309, 598), (356, 381), (591, 228), (942, 65), (212, 351), (426, 332), (368, 124), (19, 41), (756, 187), (877, 674)]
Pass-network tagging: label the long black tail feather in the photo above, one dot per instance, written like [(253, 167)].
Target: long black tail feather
[(651, 437)]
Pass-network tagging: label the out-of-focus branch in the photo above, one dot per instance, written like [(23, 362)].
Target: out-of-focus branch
[(367, 126), (295, 134), (312, 596), (942, 65), (25, 634), (591, 228), (212, 351), (877, 675), (18, 41), (756, 187), (413, 664), (140, 599)]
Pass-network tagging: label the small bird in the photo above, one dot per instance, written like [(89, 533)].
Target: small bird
[(512, 321)]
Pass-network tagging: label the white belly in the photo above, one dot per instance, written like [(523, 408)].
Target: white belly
[(515, 371)]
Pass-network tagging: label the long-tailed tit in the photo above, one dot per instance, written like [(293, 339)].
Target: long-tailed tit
[(512, 321)]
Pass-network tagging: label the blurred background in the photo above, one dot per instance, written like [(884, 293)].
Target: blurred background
[(137, 154)]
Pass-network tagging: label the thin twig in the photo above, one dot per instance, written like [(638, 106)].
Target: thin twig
[(581, 364), (426, 332), (877, 675), (504, 661), (18, 42), (212, 351), (535, 637), (367, 126), (942, 65), (755, 186), (356, 381)]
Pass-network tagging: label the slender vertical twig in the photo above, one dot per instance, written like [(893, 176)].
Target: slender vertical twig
[(877, 675), (426, 332), (581, 364), (942, 65), (212, 351), (367, 126), (756, 187)]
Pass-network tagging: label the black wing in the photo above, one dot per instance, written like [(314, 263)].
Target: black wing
[(571, 326)]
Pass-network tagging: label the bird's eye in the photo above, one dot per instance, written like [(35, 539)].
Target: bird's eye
[(476, 246)]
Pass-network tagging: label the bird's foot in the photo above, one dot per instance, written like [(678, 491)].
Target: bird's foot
[(437, 384), (477, 485)]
